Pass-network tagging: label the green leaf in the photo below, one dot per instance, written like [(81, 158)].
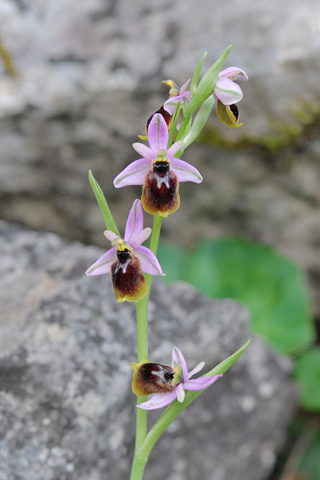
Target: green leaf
[(204, 90), (269, 285), (199, 122), (102, 202), (175, 408), (174, 122), (307, 373), (310, 465), (171, 260), (194, 80), (207, 83)]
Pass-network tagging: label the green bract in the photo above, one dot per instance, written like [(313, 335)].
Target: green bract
[(103, 205), (194, 81), (207, 83), (199, 122)]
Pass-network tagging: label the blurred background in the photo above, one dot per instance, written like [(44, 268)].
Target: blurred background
[(78, 81)]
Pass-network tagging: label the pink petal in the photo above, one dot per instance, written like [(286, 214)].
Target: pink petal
[(233, 73), (110, 235), (159, 400), (227, 91), (170, 104), (200, 383), (134, 223), (141, 237), (102, 265), (178, 357), (184, 87), (195, 370), (144, 151), (149, 262), (158, 133), (180, 393), (184, 171), (133, 174), (174, 148)]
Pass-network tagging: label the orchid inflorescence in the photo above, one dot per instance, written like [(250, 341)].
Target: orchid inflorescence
[(160, 170)]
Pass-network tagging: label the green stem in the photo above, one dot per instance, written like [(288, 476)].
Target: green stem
[(138, 467), (142, 351)]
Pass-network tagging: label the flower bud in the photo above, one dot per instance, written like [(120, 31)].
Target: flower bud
[(152, 378)]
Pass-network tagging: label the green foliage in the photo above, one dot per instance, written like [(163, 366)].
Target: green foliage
[(195, 78), (172, 260), (269, 285), (103, 205), (199, 122), (207, 83), (307, 373), (310, 465)]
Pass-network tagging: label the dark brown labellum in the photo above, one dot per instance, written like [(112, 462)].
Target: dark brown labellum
[(160, 194), (153, 378), (127, 277)]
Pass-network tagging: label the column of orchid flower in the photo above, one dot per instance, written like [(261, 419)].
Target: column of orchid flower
[(131, 265)]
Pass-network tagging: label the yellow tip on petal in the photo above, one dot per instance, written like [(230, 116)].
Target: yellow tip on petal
[(174, 89), (169, 82)]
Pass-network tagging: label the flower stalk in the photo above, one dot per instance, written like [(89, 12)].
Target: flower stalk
[(160, 170), (142, 337)]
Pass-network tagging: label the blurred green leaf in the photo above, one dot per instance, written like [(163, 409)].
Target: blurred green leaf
[(307, 373), (172, 260), (310, 465), (269, 285)]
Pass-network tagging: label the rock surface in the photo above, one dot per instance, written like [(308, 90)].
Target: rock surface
[(66, 408), (121, 46)]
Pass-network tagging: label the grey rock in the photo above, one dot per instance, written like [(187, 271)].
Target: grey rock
[(66, 407), (124, 46)]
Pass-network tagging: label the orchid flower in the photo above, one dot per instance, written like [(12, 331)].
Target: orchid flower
[(227, 93), (159, 171), (176, 95), (127, 260), (171, 382)]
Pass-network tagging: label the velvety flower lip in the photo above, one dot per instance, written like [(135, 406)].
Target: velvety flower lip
[(134, 174), (182, 382), (133, 238), (226, 90), (171, 103)]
